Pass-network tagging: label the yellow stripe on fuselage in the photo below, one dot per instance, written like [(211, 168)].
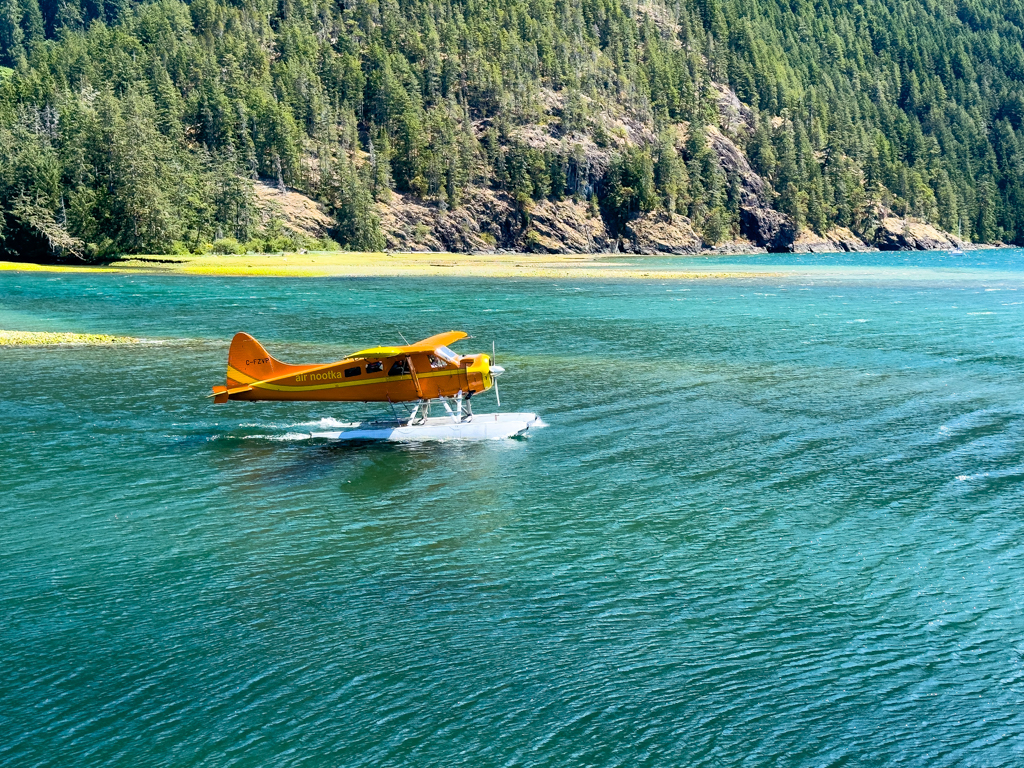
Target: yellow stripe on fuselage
[(241, 378)]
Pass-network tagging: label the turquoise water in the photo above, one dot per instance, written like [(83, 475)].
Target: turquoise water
[(773, 521)]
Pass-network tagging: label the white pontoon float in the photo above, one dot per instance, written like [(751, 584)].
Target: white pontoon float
[(459, 424)]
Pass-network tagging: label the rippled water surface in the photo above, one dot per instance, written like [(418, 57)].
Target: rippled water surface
[(773, 521)]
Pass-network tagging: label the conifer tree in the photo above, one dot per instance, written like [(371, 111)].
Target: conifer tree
[(357, 225), (12, 37), (380, 168)]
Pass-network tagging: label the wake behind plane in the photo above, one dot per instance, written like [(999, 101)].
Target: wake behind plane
[(421, 373)]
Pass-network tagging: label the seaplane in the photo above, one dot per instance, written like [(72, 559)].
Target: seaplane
[(418, 374)]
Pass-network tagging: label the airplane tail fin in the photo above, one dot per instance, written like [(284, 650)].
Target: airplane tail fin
[(248, 361), (248, 364)]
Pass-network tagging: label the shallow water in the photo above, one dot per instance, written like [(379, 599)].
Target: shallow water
[(774, 521)]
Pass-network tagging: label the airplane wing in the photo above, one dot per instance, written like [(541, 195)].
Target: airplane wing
[(377, 352), (428, 344), (433, 342)]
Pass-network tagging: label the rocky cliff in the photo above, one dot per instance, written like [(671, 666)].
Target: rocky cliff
[(898, 234), (490, 220)]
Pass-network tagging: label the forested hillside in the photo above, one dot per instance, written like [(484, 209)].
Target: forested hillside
[(139, 127)]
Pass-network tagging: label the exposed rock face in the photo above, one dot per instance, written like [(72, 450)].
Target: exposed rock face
[(658, 232), (463, 229), (836, 240), (753, 188), (768, 228), (566, 226), (810, 242), (488, 220), (733, 113), (735, 247), (845, 240), (410, 225), (895, 234), (297, 211)]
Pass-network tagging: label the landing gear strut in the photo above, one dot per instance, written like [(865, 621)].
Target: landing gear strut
[(461, 413)]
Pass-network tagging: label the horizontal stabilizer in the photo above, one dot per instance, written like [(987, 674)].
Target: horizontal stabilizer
[(221, 393)]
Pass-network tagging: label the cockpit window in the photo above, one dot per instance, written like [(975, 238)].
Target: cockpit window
[(436, 362), (447, 355)]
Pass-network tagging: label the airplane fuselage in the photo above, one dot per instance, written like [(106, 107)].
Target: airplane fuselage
[(394, 379)]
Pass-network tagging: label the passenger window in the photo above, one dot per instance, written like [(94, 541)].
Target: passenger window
[(374, 367), (352, 371), (400, 368)]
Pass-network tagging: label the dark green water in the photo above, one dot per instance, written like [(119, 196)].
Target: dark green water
[(772, 522)]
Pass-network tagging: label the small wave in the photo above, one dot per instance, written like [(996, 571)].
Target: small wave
[(323, 423), (293, 436), (287, 436)]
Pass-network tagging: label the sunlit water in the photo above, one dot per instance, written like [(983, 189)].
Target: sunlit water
[(773, 521)]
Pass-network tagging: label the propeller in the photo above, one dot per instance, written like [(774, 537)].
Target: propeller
[(496, 371)]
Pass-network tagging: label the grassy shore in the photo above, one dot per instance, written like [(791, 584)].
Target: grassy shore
[(34, 339), (345, 264)]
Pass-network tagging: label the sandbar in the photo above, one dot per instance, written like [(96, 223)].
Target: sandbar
[(36, 338), (350, 264)]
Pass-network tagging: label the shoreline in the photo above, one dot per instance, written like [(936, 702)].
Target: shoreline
[(412, 264)]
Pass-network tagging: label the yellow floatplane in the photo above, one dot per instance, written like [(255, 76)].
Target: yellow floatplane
[(413, 373)]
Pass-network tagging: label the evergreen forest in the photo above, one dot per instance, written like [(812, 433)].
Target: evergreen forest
[(140, 127)]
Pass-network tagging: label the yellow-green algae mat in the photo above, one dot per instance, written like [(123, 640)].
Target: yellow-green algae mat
[(35, 338)]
